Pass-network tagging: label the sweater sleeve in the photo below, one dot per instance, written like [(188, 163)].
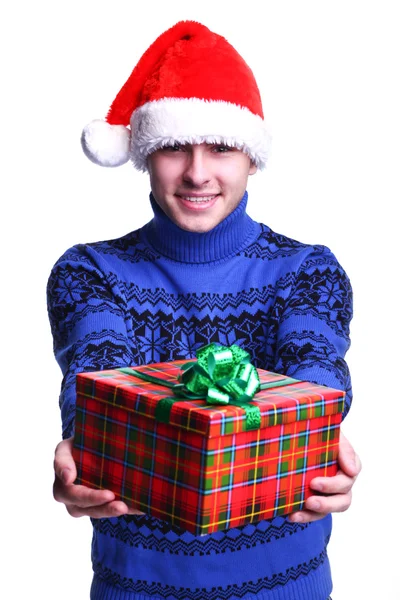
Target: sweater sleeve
[(89, 323), (313, 333)]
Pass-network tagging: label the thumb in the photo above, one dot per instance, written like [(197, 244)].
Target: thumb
[(64, 464), (349, 461)]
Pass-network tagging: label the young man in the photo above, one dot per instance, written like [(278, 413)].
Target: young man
[(200, 271)]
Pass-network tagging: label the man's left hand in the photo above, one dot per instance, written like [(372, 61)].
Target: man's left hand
[(337, 488)]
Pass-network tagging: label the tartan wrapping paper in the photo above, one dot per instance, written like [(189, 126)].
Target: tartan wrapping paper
[(203, 471)]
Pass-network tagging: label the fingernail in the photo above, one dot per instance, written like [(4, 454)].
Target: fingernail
[(296, 518), (358, 463), (318, 486), (64, 475)]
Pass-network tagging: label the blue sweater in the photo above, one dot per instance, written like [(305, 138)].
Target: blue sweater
[(158, 294)]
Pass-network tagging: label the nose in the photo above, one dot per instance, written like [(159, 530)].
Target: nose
[(197, 169)]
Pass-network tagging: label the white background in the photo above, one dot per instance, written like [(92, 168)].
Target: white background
[(328, 74)]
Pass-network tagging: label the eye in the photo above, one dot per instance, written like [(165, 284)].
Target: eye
[(174, 148), (222, 148)]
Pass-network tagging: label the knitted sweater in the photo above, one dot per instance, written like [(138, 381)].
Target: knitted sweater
[(158, 294)]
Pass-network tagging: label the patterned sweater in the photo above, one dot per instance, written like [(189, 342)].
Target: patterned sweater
[(158, 294)]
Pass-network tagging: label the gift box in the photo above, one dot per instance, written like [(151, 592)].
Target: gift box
[(165, 450)]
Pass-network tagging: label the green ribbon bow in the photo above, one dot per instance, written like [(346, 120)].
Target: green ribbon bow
[(223, 373)]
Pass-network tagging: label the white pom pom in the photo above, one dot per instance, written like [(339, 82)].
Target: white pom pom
[(106, 145)]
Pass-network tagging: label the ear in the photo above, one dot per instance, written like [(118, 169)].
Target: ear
[(252, 168)]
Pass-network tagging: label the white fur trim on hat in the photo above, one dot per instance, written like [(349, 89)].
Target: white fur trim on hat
[(193, 121), (106, 145)]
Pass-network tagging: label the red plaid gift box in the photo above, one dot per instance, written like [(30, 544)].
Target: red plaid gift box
[(203, 470)]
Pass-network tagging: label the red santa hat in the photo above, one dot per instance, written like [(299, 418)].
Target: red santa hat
[(190, 86)]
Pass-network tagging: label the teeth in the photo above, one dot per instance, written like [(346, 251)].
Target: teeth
[(202, 199)]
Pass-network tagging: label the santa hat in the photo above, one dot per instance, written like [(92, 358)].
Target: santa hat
[(190, 86)]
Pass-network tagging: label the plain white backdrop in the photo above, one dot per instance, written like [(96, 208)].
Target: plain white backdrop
[(328, 73)]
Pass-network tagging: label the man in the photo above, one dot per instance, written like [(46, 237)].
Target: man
[(201, 271)]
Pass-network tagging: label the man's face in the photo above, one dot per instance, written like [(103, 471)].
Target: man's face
[(199, 185)]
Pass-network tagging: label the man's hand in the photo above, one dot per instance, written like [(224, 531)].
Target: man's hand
[(338, 487), (79, 499)]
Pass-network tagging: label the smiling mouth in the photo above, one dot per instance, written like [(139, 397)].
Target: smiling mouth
[(198, 199)]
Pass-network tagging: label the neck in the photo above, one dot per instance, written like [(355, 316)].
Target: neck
[(227, 238)]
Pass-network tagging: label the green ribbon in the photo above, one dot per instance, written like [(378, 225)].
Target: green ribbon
[(221, 375)]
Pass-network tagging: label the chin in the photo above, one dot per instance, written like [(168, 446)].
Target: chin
[(197, 227)]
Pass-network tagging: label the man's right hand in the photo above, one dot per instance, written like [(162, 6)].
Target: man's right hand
[(80, 500)]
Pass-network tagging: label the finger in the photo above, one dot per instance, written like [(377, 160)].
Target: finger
[(105, 511), (338, 503), (348, 459), (133, 511), (64, 464), (328, 504), (338, 484), (80, 495), (305, 516)]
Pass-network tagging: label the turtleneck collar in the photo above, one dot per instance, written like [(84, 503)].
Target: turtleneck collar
[(228, 237)]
